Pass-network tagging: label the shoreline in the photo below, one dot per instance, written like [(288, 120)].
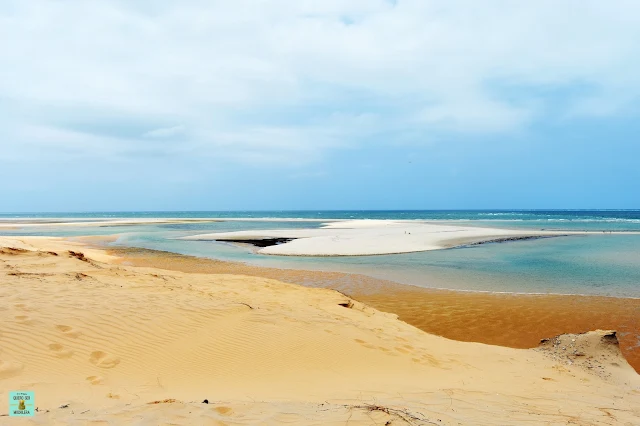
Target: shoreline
[(99, 339), (159, 253)]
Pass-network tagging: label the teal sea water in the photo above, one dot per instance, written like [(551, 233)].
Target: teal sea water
[(550, 219), (603, 264)]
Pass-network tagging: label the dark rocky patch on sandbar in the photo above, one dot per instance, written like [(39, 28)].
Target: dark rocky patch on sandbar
[(511, 239), (260, 242)]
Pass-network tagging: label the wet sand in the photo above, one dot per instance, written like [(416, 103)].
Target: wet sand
[(513, 320)]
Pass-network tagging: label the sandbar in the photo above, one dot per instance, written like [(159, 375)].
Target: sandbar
[(374, 237)]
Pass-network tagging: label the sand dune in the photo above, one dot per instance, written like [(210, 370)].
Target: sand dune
[(107, 341), (504, 319)]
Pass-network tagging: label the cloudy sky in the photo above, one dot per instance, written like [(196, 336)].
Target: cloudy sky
[(319, 104)]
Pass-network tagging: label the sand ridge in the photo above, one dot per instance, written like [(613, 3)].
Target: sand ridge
[(108, 341)]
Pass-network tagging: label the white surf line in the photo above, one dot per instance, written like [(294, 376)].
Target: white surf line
[(31, 223), (120, 221)]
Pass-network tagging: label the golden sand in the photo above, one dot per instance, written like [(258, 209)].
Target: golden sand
[(101, 342), (513, 320)]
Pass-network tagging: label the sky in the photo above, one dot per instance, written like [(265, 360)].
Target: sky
[(328, 104)]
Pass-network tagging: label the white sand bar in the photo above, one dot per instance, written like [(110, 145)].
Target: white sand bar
[(59, 222), (373, 237)]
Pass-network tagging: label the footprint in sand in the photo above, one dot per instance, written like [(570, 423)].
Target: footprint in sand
[(24, 319), (402, 350), (95, 380), (103, 360), (68, 331), (60, 351), (430, 360), (8, 369), (225, 411), (365, 344)]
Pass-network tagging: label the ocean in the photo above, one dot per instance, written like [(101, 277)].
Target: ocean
[(606, 264)]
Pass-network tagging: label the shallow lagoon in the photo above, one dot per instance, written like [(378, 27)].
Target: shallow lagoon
[(607, 264)]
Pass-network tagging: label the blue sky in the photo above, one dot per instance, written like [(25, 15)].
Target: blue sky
[(334, 104)]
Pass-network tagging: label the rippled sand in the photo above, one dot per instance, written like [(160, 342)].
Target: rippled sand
[(513, 320), (100, 342)]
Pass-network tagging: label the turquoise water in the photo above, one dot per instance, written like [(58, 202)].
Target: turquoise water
[(610, 220), (606, 264)]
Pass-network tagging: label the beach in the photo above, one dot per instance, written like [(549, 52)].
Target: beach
[(318, 213), (506, 319), (101, 340)]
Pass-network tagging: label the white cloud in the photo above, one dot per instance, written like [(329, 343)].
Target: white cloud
[(427, 65), (474, 116), (165, 132)]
